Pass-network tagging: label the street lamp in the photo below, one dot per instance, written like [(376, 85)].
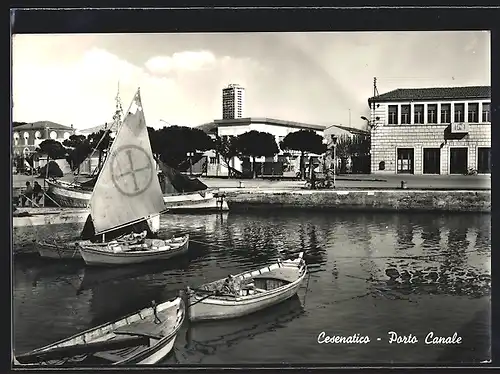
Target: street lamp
[(334, 142)]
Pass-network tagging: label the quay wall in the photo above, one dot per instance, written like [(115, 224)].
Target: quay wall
[(367, 200)]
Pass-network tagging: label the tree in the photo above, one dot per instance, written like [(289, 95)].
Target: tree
[(52, 148), (256, 144), (225, 146), (78, 150), (355, 145), (303, 141), (172, 144)]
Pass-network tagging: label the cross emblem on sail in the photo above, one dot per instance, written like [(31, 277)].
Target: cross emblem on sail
[(127, 189)]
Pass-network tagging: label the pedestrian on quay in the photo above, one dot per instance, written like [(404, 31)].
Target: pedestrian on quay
[(37, 192), (28, 194)]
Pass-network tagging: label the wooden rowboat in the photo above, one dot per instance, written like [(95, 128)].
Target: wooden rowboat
[(144, 337), (260, 289), (71, 249), (149, 250)]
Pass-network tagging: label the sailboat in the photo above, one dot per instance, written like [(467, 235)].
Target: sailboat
[(126, 199), (127, 193)]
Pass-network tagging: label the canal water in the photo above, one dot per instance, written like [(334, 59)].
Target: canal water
[(370, 274)]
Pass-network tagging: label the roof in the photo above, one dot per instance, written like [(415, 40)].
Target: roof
[(268, 121), (43, 125), (352, 130), (91, 130), (434, 93)]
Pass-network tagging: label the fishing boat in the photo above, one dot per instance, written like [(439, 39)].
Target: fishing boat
[(127, 193), (180, 193), (143, 337), (259, 289), (70, 249)]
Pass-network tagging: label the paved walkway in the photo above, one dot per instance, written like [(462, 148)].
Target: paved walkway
[(342, 181)]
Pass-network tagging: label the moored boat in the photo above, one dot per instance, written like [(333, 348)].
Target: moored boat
[(144, 337), (127, 193), (112, 253), (258, 289), (71, 249)]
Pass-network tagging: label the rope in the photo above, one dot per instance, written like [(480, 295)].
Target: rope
[(157, 320)]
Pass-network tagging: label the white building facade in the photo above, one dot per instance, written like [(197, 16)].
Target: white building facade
[(431, 131)]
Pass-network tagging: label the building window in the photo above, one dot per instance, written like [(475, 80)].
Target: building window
[(432, 113), (213, 160), (486, 112), (472, 111), (459, 112), (393, 114), (405, 114), (484, 160), (53, 135), (445, 113), (418, 115)]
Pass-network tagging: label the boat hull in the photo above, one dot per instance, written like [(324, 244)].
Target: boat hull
[(151, 355), (58, 251), (67, 195), (99, 257), (216, 308), (48, 216)]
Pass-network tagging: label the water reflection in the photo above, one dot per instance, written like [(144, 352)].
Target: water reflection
[(369, 273), (199, 340)]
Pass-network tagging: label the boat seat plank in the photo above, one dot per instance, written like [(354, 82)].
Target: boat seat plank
[(284, 274), (109, 356), (141, 329)]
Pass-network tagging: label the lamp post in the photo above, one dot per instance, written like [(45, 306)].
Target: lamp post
[(367, 120)]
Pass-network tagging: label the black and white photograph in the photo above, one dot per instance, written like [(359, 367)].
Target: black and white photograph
[(242, 198)]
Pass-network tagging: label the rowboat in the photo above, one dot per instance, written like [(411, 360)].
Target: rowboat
[(259, 289), (144, 337), (71, 249), (112, 253)]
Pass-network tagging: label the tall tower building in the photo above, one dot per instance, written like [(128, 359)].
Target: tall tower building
[(233, 100)]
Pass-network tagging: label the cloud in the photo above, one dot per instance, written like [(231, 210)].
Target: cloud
[(80, 87), (187, 60)]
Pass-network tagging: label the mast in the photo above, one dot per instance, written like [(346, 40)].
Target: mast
[(117, 120)]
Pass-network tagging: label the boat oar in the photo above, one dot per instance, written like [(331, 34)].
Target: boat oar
[(79, 349)]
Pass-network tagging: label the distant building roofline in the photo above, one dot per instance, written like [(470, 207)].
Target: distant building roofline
[(43, 125), (268, 121), (434, 93)]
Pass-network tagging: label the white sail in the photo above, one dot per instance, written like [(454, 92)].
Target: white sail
[(127, 189)]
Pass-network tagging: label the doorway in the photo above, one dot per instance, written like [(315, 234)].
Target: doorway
[(484, 160), (458, 160), (405, 161), (432, 161)]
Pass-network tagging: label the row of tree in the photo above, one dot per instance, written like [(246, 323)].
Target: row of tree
[(173, 145)]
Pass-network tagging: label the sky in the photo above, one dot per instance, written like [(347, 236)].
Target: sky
[(317, 78)]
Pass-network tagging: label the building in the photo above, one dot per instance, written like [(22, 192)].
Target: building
[(26, 138), (238, 126), (339, 131), (431, 130), (233, 101)]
